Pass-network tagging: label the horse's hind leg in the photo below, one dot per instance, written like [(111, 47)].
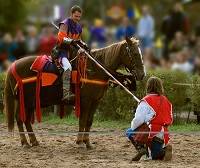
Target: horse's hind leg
[(33, 140), (21, 133), (20, 127)]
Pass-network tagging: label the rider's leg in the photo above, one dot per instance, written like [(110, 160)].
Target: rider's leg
[(67, 94)]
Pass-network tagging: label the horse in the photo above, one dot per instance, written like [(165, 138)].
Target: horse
[(124, 53)]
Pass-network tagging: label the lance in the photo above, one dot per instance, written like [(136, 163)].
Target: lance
[(106, 71)]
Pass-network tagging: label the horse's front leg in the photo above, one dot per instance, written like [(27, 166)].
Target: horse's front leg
[(82, 122), (33, 140), (79, 139), (86, 138), (89, 122), (85, 106)]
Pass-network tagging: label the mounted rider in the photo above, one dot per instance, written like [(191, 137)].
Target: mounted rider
[(69, 33)]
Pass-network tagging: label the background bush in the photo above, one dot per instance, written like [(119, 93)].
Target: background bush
[(2, 78), (119, 105)]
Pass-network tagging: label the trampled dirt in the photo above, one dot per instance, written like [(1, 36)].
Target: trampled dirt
[(110, 150)]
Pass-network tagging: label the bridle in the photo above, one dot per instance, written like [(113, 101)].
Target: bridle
[(132, 71)]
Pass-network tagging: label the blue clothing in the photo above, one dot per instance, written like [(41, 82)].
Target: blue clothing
[(145, 31), (9, 49), (129, 133), (122, 32), (157, 151), (98, 35)]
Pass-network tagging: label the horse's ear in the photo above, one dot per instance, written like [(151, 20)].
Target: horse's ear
[(128, 40), (135, 40)]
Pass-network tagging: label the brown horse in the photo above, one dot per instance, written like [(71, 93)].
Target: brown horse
[(125, 53)]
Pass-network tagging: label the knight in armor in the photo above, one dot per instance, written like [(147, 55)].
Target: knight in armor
[(69, 32), (154, 110)]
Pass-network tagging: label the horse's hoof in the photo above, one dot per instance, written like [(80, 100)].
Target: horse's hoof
[(80, 144), (35, 143), (26, 145), (89, 146)]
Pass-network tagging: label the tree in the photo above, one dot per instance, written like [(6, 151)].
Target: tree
[(12, 14)]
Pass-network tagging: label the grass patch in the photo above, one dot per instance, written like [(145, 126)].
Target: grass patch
[(185, 127), (115, 124), (2, 117), (54, 119), (98, 123)]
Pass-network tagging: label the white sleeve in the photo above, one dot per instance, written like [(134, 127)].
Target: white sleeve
[(143, 114)]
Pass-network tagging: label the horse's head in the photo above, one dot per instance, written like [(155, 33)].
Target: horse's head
[(132, 58)]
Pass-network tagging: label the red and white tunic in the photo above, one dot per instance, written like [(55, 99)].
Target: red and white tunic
[(156, 110)]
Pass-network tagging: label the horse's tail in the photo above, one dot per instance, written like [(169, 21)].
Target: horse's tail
[(9, 101)]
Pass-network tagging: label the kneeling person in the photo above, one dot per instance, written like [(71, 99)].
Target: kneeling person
[(154, 115)]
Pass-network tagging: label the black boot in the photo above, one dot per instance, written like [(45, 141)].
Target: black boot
[(141, 150), (67, 94)]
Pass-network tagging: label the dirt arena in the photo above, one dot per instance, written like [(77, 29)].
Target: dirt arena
[(113, 151)]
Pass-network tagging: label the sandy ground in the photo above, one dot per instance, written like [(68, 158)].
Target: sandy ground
[(110, 150)]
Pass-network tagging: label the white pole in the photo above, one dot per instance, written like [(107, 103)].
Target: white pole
[(109, 74)]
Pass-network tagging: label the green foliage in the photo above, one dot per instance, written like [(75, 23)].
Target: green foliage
[(13, 14), (195, 90), (176, 93), (2, 77), (117, 104)]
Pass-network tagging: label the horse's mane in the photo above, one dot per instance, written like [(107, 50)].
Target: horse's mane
[(107, 54)]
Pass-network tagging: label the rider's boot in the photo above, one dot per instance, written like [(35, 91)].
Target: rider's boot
[(67, 94)]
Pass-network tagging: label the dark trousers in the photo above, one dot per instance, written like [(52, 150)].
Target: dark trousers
[(157, 150)]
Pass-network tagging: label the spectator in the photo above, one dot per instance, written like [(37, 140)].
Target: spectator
[(20, 50), (32, 40), (181, 63), (47, 41), (175, 21), (178, 43), (7, 47), (145, 29), (126, 29), (98, 34)]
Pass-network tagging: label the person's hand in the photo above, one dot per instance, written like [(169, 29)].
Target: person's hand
[(67, 41), (81, 51)]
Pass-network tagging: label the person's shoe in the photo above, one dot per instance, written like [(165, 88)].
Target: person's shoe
[(140, 153), (168, 153)]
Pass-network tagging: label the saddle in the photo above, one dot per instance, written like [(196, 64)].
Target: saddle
[(44, 78)]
